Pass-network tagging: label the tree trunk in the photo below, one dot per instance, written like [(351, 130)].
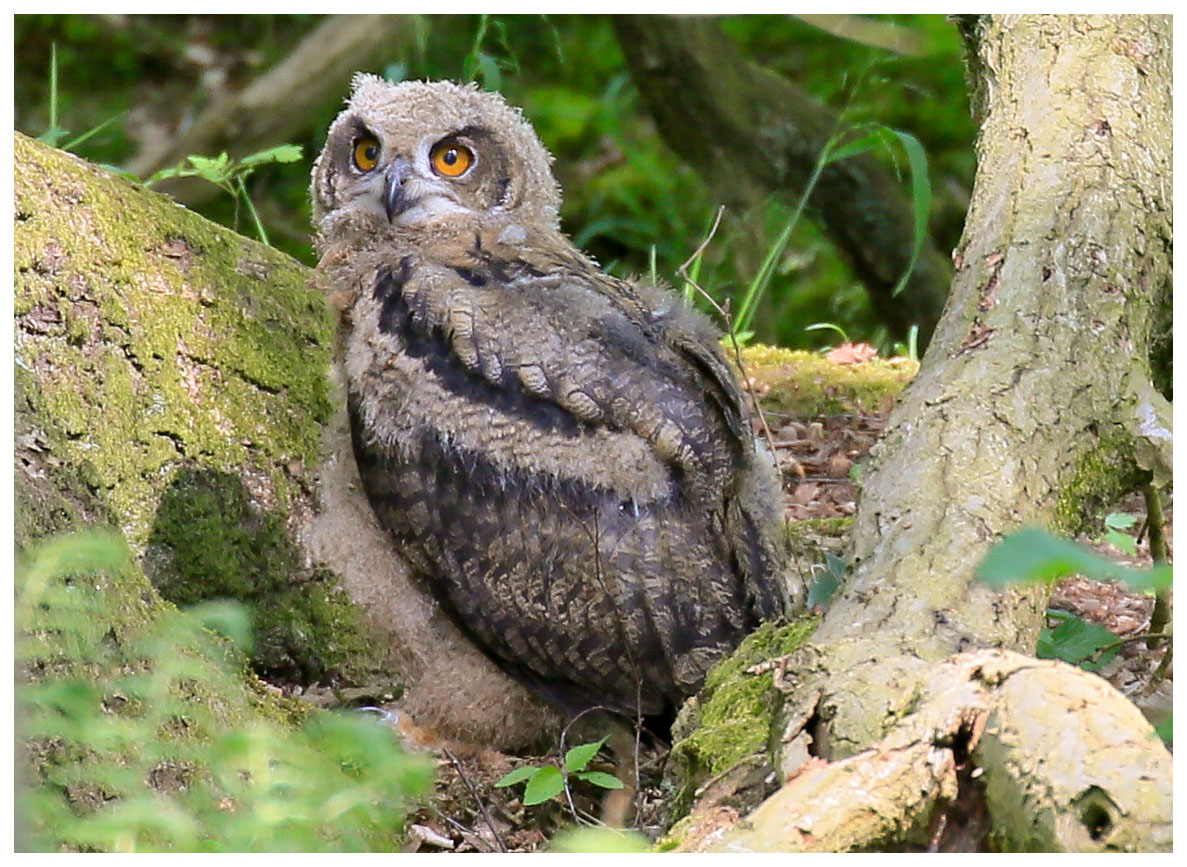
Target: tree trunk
[(750, 134), (1033, 405)]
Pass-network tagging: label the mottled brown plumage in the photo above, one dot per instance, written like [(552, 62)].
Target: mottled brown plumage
[(564, 456)]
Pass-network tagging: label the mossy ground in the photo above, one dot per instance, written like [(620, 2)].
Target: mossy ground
[(806, 384)]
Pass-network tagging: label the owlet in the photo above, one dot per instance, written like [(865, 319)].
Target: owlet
[(563, 456)]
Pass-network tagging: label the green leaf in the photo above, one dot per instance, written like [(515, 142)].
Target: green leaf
[(1031, 555), (823, 326), (600, 778), (601, 840), (213, 169), (577, 758), (1120, 520), (854, 148), (492, 77), (1077, 641), (516, 776), (53, 135), (227, 618), (1122, 542), (546, 783), (1166, 731), (75, 142), (825, 583), (285, 153), (920, 198)]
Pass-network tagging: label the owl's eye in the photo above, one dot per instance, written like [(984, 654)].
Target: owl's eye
[(451, 159), (366, 154)]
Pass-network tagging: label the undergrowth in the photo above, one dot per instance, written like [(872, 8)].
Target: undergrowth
[(137, 732)]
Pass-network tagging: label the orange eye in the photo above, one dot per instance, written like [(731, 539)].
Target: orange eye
[(450, 159), (366, 154)]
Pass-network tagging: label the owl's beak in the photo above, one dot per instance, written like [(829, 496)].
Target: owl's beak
[(394, 198)]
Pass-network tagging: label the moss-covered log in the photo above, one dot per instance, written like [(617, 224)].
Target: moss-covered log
[(172, 382), (171, 387)]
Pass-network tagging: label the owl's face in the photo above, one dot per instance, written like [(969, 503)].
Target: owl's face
[(422, 154)]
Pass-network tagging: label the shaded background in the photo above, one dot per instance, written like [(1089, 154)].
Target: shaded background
[(628, 197)]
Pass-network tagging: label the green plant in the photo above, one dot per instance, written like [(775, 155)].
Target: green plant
[(1031, 554), (139, 734), (842, 145), (54, 134), (1115, 524), (828, 326), (480, 65), (826, 582), (910, 349), (545, 782), (231, 175)]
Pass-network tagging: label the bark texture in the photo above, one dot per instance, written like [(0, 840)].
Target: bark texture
[(1052, 780), (1033, 405), (751, 133)]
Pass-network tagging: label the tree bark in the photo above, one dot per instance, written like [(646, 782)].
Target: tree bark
[(1033, 405), (750, 133)]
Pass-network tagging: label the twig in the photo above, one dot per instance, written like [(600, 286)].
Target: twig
[(1121, 642), (457, 766), (682, 271), (1156, 528)]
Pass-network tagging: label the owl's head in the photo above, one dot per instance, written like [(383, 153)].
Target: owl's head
[(419, 153)]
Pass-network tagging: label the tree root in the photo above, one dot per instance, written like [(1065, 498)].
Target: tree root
[(1063, 761)]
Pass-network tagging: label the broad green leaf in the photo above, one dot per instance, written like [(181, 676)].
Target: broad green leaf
[(1122, 542), (601, 840), (516, 776), (1077, 641), (285, 153), (546, 783), (1031, 554), (577, 758), (600, 778), (1120, 520)]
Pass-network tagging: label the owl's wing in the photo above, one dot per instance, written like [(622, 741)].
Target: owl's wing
[(561, 338)]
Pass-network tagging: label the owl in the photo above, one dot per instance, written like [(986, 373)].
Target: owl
[(563, 457)]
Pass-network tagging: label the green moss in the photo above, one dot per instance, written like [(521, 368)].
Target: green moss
[(807, 384), (211, 540), (1101, 477), (174, 340), (181, 373), (734, 710)]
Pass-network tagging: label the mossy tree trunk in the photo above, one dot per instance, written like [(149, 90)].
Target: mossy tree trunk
[(1033, 406), (171, 383)]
